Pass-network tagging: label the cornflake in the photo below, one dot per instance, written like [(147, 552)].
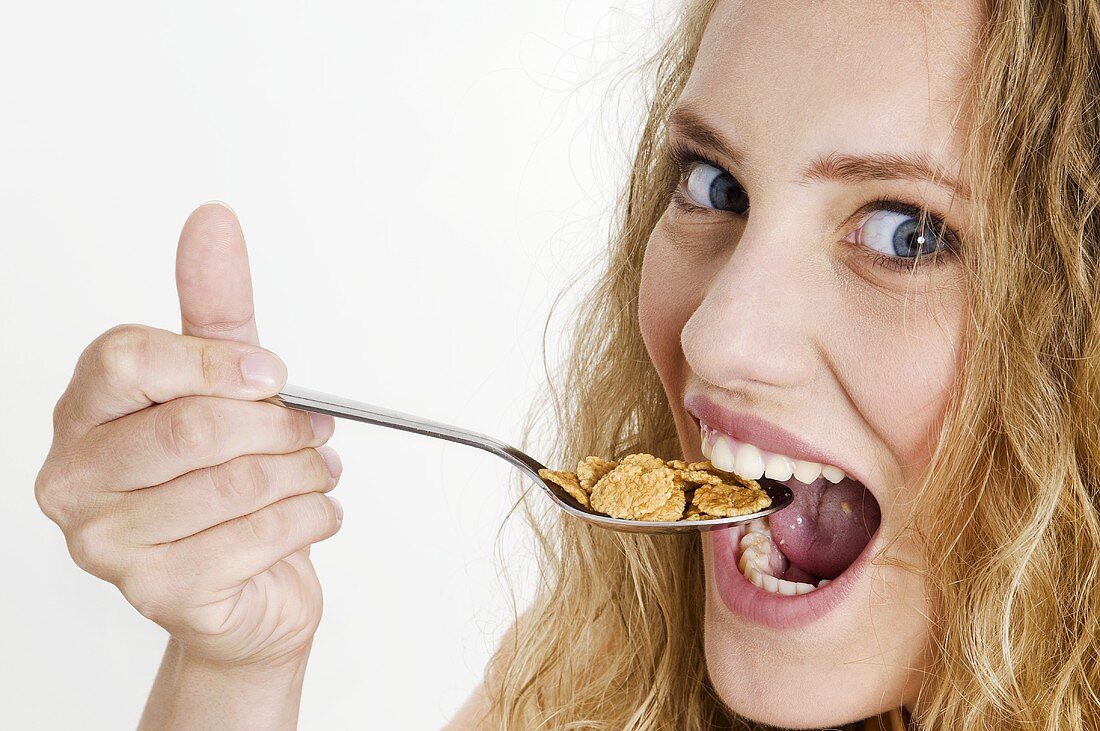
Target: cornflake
[(643, 487), (727, 501), (569, 483), (591, 469)]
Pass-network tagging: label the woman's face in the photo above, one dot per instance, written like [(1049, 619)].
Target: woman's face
[(807, 328)]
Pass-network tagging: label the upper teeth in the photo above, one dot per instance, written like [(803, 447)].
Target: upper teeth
[(749, 461)]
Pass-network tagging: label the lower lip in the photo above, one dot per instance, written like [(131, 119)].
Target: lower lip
[(776, 611)]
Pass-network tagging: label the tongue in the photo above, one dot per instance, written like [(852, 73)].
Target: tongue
[(826, 527)]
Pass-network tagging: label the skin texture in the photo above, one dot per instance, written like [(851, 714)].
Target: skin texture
[(774, 313), (770, 313), (171, 480)]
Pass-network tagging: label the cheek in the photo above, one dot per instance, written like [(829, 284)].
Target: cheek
[(904, 362), (670, 291)]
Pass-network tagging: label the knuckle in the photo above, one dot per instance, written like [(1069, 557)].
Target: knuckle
[(60, 414), (317, 468), (268, 527), (295, 426), (92, 547), (45, 492), (242, 481), (122, 353), (186, 428), (54, 492), (324, 512), (212, 366)]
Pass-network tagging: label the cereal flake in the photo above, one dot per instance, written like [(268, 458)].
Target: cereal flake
[(591, 469), (727, 501), (640, 487), (568, 482)]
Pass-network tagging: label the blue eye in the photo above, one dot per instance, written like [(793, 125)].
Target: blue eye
[(898, 233), (713, 187)]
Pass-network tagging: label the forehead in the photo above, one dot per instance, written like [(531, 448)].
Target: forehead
[(790, 79)]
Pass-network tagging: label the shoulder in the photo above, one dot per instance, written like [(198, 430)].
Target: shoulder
[(474, 713)]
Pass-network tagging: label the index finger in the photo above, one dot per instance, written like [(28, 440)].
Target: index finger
[(131, 367)]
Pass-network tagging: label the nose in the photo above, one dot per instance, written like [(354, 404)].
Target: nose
[(756, 323)]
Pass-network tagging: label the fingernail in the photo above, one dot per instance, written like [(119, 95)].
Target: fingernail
[(323, 425), (339, 508), (262, 371), (332, 460)]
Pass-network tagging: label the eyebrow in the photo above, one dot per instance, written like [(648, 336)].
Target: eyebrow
[(832, 166)]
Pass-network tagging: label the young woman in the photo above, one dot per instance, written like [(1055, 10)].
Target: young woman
[(859, 250)]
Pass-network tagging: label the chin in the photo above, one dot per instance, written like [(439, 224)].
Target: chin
[(805, 626), (859, 655)]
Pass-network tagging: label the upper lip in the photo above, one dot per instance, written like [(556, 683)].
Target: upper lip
[(762, 433)]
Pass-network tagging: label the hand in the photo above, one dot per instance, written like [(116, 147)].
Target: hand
[(172, 480)]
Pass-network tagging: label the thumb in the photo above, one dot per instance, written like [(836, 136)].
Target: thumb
[(212, 277)]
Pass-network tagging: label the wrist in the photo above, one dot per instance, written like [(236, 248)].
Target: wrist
[(192, 691), (261, 673)]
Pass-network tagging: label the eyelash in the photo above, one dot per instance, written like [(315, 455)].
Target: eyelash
[(684, 157)]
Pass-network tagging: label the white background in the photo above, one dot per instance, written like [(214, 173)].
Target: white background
[(417, 182)]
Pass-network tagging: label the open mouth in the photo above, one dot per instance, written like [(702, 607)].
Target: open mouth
[(809, 543)]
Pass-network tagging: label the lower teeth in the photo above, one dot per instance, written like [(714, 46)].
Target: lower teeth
[(756, 548)]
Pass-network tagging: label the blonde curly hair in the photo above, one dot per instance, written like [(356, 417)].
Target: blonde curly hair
[(614, 638)]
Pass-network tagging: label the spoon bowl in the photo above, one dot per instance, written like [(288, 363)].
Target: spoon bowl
[(303, 399)]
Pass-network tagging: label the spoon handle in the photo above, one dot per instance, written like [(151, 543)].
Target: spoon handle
[(304, 399)]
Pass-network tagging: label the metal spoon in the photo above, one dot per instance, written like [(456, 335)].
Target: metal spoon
[(304, 399)]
